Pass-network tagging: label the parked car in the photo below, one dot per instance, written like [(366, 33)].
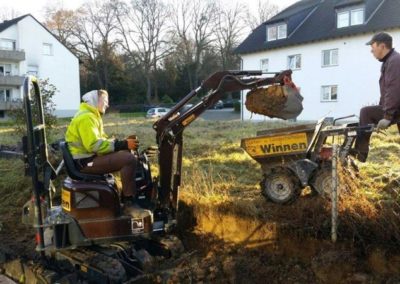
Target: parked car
[(229, 102), (218, 105), (186, 107), (156, 112), (147, 107)]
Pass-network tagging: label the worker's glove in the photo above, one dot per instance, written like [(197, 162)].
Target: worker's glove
[(126, 144), (132, 144), (383, 124)]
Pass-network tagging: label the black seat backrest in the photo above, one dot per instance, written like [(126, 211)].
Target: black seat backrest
[(72, 171)]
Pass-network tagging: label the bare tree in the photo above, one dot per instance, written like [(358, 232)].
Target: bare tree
[(62, 23), (8, 13), (265, 10), (142, 25), (93, 36), (228, 31), (193, 22)]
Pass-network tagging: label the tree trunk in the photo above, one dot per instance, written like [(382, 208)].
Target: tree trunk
[(189, 73), (155, 87), (148, 91)]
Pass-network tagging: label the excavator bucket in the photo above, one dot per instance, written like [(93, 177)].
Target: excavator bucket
[(283, 102)]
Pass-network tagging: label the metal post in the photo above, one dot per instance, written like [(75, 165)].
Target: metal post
[(334, 192)]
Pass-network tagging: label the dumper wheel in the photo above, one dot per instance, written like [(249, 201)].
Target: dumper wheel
[(281, 186), (321, 181)]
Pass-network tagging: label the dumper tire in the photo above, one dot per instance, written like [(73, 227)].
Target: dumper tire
[(281, 186), (321, 181)]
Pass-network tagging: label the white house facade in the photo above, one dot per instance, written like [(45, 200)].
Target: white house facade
[(27, 47), (335, 70)]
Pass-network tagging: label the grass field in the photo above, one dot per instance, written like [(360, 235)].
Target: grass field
[(221, 182), (214, 165)]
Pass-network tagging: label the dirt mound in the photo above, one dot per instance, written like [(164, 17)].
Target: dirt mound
[(245, 249)]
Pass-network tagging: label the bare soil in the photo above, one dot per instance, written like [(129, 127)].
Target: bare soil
[(224, 246)]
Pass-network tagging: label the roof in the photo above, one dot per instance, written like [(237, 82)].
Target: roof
[(315, 20), (8, 23)]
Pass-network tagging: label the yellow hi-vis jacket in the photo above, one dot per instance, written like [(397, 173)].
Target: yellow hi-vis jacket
[(85, 134)]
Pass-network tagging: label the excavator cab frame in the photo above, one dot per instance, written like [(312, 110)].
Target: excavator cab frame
[(37, 164)]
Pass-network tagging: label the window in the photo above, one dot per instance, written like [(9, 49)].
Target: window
[(15, 96), (343, 19), (329, 93), (330, 57), (272, 33), (351, 17), (2, 114), (7, 44), (294, 62), (357, 17), (47, 49), (276, 32), (281, 31), (264, 65), (5, 69), (5, 95), (33, 70)]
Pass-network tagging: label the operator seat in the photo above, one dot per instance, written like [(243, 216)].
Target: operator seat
[(73, 172), (88, 196)]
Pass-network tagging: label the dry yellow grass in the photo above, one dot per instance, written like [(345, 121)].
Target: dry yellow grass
[(219, 176)]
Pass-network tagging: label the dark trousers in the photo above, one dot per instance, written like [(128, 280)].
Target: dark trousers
[(122, 161), (368, 115)]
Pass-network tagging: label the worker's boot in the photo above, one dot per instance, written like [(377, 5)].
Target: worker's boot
[(133, 209), (360, 156), (142, 219)]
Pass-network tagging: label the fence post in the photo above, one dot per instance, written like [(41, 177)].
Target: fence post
[(334, 196)]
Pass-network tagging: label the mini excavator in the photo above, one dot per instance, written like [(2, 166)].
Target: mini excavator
[(88, 236)]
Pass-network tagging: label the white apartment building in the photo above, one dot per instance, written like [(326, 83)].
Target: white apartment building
[(27, 47), (324, 43)]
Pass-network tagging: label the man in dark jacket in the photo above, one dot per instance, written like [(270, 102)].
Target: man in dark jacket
[(388, 110)]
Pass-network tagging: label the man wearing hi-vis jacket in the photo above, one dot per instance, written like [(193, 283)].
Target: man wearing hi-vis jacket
[(93, 152)]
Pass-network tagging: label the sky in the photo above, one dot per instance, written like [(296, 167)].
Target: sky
[(36, 7)]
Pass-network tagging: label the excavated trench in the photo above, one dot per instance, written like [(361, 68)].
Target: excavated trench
[(236, 248), (227, 247), (224, 243)]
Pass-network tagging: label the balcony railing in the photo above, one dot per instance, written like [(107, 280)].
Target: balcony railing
[(12, 55), (10, 80), (7, 105)]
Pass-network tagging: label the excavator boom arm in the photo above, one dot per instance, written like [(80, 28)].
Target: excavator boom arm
[(170, 127)]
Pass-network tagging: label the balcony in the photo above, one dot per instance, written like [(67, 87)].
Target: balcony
[(12, 55), (10, 105), (8, 80)]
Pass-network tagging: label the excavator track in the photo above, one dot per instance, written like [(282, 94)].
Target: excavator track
[(118, 262), (94, 266)]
